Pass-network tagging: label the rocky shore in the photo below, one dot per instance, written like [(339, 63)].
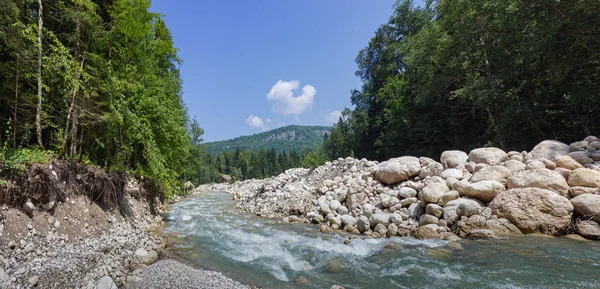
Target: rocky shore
[(75, 243), (554, 189)]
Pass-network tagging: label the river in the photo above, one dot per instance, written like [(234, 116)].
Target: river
[(260, 252)]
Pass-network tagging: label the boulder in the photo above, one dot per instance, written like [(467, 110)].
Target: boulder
[(354, 200), (588, 229), (348, 220), (588, 206), (392, 230), (578, 146), (453, 159), (481, 234), (576, 191), (534, 210), (397, 170), (491, 173), (427, 219), (582, 157), (145, 257), (490, 156), (567, 162), (434, 210), (548, 149), (585, 178), (381, 229), (106, 283), (450, 209), (363, 224), (514, 166), (427, 232), (28, 207), (485, 191), (452, 173), (467, 210), (380, 218), (535, 165), (500, 227), (415, 211), (431, 169), (540, 178), (406, 192), (432, 193), (447, 197), (334, 205)]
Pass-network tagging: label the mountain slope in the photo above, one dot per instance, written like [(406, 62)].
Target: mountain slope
[(293, 137)]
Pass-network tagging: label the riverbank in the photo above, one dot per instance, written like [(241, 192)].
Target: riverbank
[(64, 237), (554, 189)]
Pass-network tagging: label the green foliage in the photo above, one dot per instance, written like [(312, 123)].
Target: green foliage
[(112, 87), (15, 162), (463, 74), (289, 138), (315, 158)]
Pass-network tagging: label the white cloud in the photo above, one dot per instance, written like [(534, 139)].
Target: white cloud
[(333, 117), (286, 103), (257, 122)]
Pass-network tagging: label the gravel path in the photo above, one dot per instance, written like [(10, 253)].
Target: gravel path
[(167, 274)]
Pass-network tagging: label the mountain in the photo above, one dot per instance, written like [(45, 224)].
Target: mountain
[(288, 138)]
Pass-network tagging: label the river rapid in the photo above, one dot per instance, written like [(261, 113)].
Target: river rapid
[(260, 252)]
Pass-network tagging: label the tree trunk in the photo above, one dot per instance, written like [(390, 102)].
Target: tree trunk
[(70, 111), (74, 134), (38, 115), (16, 106)]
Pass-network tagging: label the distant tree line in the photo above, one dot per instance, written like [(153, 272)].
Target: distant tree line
[(459, 74), (245, 164)]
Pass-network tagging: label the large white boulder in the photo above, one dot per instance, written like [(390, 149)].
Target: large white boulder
[(397, 170)]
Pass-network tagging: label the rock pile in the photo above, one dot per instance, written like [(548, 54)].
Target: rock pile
[(553, 189)]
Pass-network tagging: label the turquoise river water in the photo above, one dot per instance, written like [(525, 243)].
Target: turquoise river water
[(256, 251)]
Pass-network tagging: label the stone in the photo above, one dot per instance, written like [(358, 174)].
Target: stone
[(336, 287), (591, 138), (146, 257), (582, 157), (415, 211), (406, 192), (33, 281), (363, 224), (452, 173), (453, 158), (548, 149), (576, 191), (106, 283), (500, 227), (485, 191), (447, 197), (432, 193), (397, 170), (342, 210), (588, 229), (514, 165), (467, 210), (588, 206), (301, 280), (567, 162), (392, 230), (434, 210), (348, 220), (28, 207), (450, 209), (334, 205), (431, 169), (548, 164), (351, 230), (354, 200), (427, 219), (563, 172), (427, 232), (380, 218), (492, 173), (491, 156), (381, 229), (584, 177), (578, 146), (540, 178), (482, 234), (534, 210), (534, 165)]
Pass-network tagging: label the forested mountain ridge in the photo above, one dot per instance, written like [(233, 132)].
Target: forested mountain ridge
[(283, 139)]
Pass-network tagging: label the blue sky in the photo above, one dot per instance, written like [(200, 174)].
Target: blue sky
[(251, 66)]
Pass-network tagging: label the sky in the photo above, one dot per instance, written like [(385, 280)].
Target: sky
[(252, 66)]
